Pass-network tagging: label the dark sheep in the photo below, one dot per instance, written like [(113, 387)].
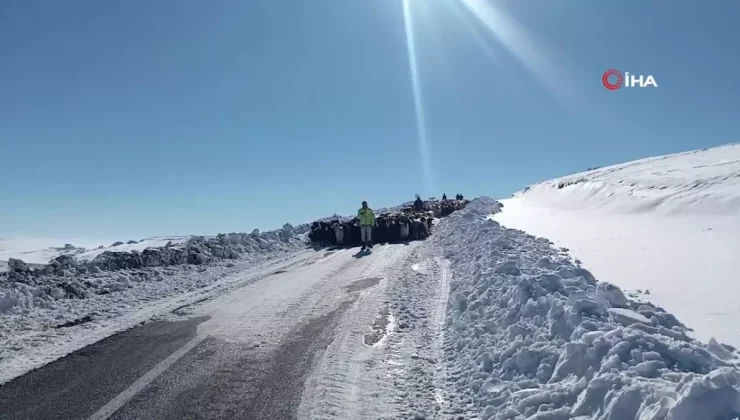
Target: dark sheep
[(400, 227)]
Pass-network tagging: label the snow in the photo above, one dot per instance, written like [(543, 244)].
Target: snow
[(533, 335), (37, 250), (153, 242), (627, 317), (42, 250), (668, 225), (700, 182)]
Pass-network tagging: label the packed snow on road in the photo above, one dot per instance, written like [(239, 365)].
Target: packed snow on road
[(480, 321)]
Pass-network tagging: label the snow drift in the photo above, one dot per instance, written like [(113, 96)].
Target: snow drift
[(533, 335), (666, 224)]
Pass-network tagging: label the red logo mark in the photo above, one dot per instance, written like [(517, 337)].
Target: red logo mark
[(609, 85)]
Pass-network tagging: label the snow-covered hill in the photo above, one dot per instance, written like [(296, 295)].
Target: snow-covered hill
[(700, 182), (668, 225)]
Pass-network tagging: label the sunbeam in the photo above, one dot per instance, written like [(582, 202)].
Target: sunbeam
[(502, 72), (522, 45), (421, 128)]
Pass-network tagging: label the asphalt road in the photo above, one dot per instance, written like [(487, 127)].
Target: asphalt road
[(77, 385), (235, 381)]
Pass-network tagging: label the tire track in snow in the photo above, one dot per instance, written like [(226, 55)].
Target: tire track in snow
[(440, 313), (345, 380), (415, 359)]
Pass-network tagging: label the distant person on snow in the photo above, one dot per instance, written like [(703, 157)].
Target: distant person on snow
[(418, 204), (367, 220), (444, 197)]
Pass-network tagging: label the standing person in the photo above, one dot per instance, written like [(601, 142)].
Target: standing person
[(367, 220)]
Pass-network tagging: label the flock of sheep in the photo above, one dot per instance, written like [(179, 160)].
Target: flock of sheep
[(413, 222)]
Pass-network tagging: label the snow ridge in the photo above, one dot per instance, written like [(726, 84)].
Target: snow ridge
[(531, 335), (696, 182)]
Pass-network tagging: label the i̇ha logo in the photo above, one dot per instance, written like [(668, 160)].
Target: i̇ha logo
[(613, 80)]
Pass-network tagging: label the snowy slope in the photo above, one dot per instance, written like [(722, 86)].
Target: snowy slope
[(666, 224), (701, 182)]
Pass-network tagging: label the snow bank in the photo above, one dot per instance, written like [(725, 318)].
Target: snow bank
[(24, 287), (133, 245), (531, 335), (668, 224)]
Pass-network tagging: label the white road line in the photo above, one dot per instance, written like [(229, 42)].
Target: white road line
[(119, 400)]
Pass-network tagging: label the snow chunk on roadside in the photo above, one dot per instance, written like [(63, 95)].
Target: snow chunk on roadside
[(612, 294), (627, 317)]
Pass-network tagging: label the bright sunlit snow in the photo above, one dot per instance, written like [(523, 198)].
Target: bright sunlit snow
[(668, 225)]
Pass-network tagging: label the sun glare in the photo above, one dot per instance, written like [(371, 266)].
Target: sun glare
[(421, 128), (523, 46)]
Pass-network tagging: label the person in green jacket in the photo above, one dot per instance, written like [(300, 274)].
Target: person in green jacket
[(367, 221)]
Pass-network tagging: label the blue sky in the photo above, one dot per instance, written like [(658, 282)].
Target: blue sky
[(156, 117)]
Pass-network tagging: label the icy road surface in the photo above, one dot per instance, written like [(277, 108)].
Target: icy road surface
[(322, 323)]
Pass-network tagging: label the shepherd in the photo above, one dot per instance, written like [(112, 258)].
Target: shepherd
[(367, 221)]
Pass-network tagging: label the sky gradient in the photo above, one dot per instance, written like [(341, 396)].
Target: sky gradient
[(155, 117)]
